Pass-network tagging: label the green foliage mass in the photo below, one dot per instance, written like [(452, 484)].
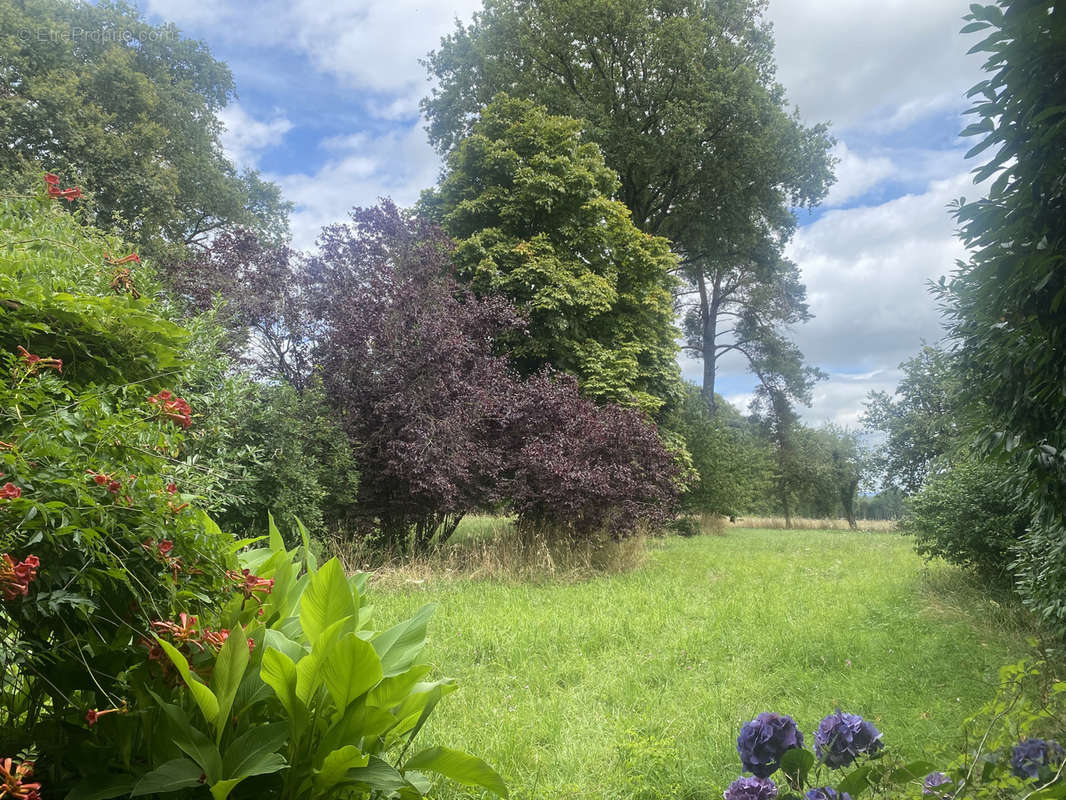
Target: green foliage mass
[(531, 207), (681, 98), (731, 460), (304, 698), (1007, 303), (967, 512), (125, 109)]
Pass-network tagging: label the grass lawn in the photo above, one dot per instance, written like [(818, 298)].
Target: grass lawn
[(635, 685)]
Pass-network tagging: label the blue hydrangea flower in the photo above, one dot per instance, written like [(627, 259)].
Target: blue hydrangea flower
[(764, 740), (751, 789), (1032, 754), (932, 781), (841, 738), (826, 793)]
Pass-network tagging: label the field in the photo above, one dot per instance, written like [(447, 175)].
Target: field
[(634, 685)]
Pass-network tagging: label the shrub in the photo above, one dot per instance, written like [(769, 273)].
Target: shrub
[(579, 467), (285, 691), (968, 514)]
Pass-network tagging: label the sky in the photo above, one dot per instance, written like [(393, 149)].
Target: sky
[(327, 108)]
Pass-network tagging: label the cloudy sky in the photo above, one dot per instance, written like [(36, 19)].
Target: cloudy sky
[(328, 108)]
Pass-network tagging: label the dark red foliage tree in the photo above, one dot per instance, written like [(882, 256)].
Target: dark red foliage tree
[(408, 359), (267, 302), (578, 467)]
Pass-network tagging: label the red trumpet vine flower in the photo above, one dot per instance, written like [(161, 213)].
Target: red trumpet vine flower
[(176, 409), (124, 260), (250, 583), (10, 491), (93, 715), (15, 579), (32, 363), (13, 782)]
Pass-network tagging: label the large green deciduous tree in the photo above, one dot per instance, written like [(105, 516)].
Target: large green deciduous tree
[(530, 207), (681, 97), (127, 110), (1007, 304), (922, 421)]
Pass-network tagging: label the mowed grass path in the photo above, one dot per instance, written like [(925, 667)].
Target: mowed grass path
[(635, 685)]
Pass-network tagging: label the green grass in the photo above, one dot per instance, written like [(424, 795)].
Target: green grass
[(634, 685)]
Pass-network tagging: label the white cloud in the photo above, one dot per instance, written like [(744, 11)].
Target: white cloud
[(873, 64), (370, 46), (245, 137), (856, 174), (363, 168), (866, 271)]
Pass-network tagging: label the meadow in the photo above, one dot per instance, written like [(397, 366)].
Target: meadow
[(634, 684)]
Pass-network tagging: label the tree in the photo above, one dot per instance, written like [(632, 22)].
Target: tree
[(407, 358), (849, 466), (782, 378), (923, 419), (1007, 303), (126, 110), (732, 462), (529, 205), (680, 96)]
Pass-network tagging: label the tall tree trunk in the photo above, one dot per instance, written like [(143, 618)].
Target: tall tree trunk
[(709, 319), (847, 497)]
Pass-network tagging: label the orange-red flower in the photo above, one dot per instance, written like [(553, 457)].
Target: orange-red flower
[(52, 185), (15, 579), (10, 491), (124, 260), (250, 583), (32, 362), (93, 715), (13, 782), (176, 409)]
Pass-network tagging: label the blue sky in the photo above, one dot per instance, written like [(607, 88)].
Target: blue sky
[(328, 108)]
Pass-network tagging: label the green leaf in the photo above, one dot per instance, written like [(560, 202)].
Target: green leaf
[(277, 544), (335, 767), (103, 787), (378, 776), (203, 696), (796, 764), (230, 664), (279, 673), (327, 599), (399, 646), (181, 773), (351, 669), (194, 743), (916, 770), (460, 767), (248, 755), (856, 782)]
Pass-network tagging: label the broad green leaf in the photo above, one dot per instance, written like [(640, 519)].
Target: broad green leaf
[(309, 672), (351, 669), (204, 697), (194, 743), (336, 765), (277, 544), (249, 751), (230, 664), (916, 770), (377, 776), (279, 673), (358, 724), (327, 599), (399, 646), (857, 781), (795, 764), (181, 773), (391, 691), (460, 767), (103, 787)]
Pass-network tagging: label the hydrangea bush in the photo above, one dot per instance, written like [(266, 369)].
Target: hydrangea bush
[(1013, 752)]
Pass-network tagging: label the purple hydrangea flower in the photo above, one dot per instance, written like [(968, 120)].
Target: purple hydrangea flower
[(751, 789), (826, 793), (932, 781), (764, 740), (1032, 754), (841, 738)]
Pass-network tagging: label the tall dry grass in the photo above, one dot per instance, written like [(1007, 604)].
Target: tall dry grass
[(491, 547), (806, 524)]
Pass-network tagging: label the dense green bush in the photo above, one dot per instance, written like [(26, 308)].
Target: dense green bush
[(968, 513)]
